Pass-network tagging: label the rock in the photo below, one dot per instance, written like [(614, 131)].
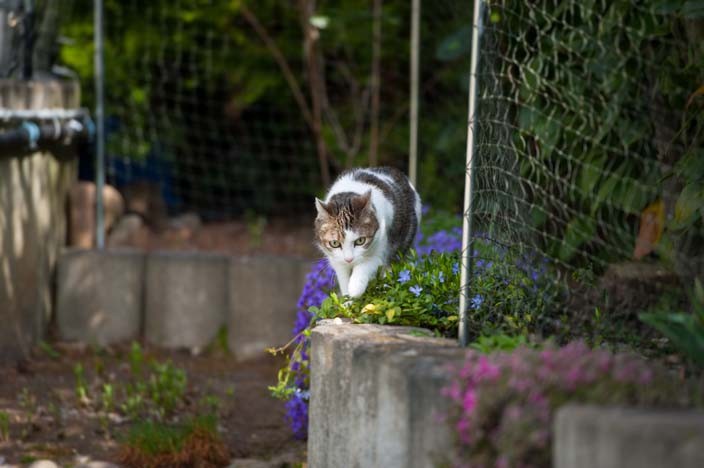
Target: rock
[(129, 231), (43, 464), (82, 212), (189, 221), (145, 199)]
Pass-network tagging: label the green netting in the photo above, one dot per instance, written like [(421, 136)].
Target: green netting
[(586, 123)]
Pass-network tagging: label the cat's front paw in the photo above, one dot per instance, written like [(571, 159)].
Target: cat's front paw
[(356, 289)]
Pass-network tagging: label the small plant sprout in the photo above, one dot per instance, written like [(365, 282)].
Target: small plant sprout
[(4, 426), (81, 385), (136, 358)]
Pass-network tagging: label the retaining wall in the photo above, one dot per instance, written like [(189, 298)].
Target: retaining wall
[(376, 402), (178, 299)]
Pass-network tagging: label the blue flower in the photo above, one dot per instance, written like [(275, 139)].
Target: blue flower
[(404, 276), (476, 301), (441, 277), (456, 268), (416, 290)]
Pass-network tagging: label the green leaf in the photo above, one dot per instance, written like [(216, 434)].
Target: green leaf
[(690, 200)]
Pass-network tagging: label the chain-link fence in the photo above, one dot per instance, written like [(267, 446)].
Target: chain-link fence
[(588, 148)]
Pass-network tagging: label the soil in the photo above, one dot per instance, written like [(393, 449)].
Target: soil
[(47, 421)]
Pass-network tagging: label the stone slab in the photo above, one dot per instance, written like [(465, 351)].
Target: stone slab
[(100, 295), (590, 436), (186, 298), (347, 410), (263, 291)]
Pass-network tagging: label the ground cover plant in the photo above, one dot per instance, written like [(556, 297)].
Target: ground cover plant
[(512, 295), (503, 403)]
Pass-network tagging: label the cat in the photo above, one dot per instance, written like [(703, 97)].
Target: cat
[(368, 218)]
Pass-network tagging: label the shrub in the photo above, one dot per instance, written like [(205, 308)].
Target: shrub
[(503, 403)]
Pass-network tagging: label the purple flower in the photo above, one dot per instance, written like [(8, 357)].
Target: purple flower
[(476, 301), (404, 276), (455, 268), (441, 278), (416, 290), (297, 416)]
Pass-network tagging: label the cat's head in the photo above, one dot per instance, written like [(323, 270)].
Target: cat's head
[(346, 226)]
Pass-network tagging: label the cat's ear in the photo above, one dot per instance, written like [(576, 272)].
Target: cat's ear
[(360, 202), (321, 207)]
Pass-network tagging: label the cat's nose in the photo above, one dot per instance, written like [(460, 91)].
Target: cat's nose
[(349, 259)]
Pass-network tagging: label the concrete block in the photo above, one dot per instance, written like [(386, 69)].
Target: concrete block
[(410, 429), (99, 295), (262, 302), (346, 407), (590, 436), (186, 298)]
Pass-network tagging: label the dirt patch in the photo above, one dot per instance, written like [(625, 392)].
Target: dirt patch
[(47, 420)]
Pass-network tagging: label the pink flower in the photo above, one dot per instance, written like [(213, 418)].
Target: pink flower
[(485, 370), (469, 401)]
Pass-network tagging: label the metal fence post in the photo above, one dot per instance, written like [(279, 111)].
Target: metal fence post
[(466, 272), (100, 124), (415, 83)]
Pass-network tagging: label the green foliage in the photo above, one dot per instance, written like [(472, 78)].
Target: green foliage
[(81, 385), (417, 292), (489, 343), (167, 386), (684, 330)]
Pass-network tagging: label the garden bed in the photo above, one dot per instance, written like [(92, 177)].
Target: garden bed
[(47, 420)]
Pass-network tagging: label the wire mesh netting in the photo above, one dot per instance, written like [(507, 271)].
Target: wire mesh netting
[(588, 153), (235, 107)]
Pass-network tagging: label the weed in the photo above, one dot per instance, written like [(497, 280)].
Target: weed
[(136, 358), (49, 350)]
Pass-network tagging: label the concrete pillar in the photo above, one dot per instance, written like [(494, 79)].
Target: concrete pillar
[(33, 192)]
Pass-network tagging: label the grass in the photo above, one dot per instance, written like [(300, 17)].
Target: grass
[(159, 445)]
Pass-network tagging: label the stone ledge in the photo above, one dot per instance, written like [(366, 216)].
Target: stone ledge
[(375, 395), (592, 436)]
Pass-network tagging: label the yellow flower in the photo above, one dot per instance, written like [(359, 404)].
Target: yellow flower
[(370, 309)]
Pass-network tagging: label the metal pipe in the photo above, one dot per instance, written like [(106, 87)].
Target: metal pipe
[(31, 136), (415, 83), (466, 272), (100, 125)]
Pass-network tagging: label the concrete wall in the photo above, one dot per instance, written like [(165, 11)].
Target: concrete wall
[(33, 192), (375, 396), (376, 401), (592, 436), (179, 299)]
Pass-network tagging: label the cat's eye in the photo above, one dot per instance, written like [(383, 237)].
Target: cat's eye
[(360, 241), (334, 244)]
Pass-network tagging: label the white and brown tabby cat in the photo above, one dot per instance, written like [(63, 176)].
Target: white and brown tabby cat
[(368, 217)]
